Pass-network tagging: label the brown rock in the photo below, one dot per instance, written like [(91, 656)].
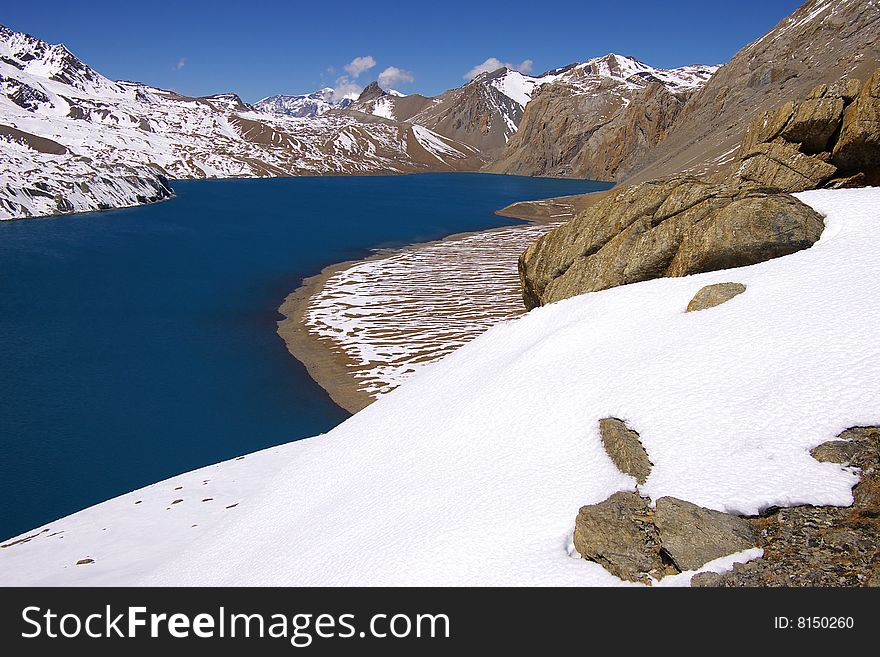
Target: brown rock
[(693, 536), (714, 295), (625, 449), (747, 231), (671, 227), (813, 123), (619, 535), (858, 147), (835, 451), (784, 168), (821, 545), (849, 182), (766, 127)]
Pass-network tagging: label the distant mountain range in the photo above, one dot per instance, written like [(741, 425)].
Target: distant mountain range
[(313, 104), (487, 111), (72, 140)]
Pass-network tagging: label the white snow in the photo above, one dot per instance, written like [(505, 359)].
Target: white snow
[(473, 471), (384, 107), (438, 146), (394, 315)]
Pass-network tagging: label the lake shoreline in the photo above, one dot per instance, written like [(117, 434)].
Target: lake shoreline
[(325, 362)]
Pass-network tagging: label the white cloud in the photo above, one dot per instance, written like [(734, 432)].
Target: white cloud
[(360, 64), (493, 64), (345, 88), (180, 64), (392, 76)]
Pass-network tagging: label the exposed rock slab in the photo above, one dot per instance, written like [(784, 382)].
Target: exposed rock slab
[(625, 449), (639, 544), (693, 536), (714, 295), (619, 534), (858, 146), (784, 168)]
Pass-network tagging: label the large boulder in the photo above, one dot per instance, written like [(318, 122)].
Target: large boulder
[(748, 230), (671, 227)]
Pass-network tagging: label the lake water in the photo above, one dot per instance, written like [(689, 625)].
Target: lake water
[(137, 344)]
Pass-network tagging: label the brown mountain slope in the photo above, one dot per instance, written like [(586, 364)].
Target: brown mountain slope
[(596, 119), (820, 43), (477, 114)]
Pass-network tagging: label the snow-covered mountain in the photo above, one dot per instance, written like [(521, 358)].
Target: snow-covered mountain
[(487, 111), (595, 118), (72, 140), (313, 104)]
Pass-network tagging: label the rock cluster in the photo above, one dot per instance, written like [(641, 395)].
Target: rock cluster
[(820, 545), (671, 227), (638, 543), (803, 546), (832, 138)]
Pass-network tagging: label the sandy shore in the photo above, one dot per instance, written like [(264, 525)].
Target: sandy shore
[(324, 358), (333, 366), (328, 365)]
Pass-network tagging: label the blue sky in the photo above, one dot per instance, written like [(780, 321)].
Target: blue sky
[(266, 47)]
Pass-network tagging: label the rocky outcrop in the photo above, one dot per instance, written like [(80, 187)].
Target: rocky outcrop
[(682, 225), (693, 536), (625, 449), (831, 136), (714, 295), (858, 146), (619, 534), (672, 227), (598, 134), (640, 544), (820, 545), (820, 43), (784, 167), (802, 546)]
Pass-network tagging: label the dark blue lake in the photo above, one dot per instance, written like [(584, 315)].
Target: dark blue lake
[(137, 344)]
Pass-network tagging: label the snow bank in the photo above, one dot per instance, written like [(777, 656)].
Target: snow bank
[(473, 471)]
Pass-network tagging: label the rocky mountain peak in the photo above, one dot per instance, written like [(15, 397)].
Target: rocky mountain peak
[(371, 92)]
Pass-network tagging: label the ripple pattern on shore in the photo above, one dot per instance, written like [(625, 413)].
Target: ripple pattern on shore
[(392, 316)]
